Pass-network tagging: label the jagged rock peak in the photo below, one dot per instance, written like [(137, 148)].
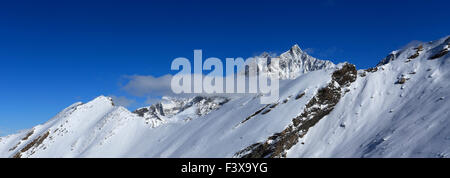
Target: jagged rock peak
[(170, 106), (292, 64), (296, 49)]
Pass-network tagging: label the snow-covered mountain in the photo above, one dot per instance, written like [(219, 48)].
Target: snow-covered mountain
[(164, 111), (291, 64), (400, 108)]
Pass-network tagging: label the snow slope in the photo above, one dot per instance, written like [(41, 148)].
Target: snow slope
[(398, 109), (99, 129), (379, 118)]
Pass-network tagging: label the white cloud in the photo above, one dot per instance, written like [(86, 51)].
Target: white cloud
[(122, 101), (155, 87), (150, 86), (140, 85)]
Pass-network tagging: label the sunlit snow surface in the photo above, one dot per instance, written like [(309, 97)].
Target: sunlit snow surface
[(376, 118), (380, 119)]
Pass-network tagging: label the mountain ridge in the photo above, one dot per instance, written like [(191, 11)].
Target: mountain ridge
[(291, 64), (399, 108)]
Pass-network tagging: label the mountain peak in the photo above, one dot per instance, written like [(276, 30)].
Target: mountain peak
[(292, 64), (403, 108), (296, 48), (103, 99), (296, 62), (295, 51)]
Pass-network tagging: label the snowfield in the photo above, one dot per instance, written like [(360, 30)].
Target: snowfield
[(398, 109)]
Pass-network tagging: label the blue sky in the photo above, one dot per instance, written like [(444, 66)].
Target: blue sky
[(54, 53)]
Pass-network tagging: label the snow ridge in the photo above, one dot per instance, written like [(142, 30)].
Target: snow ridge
[(399, 108)]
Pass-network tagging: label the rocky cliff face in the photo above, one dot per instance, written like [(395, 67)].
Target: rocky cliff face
[(163, 111), (317, 108)]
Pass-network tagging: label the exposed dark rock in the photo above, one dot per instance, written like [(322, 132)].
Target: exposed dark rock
[(273, 105), (277, 144), (345, 75), (141, 112), (300, 95), (440, 54), (254, 114), (328, 96), (388, 59), (372, 70), (401, 81), (266, 111), (415, 55), (35, 143), (23, 139), (419, 48), (270, 108), (205, 105), (112, 102), (28, 135), (14, 147), (287, 99)]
